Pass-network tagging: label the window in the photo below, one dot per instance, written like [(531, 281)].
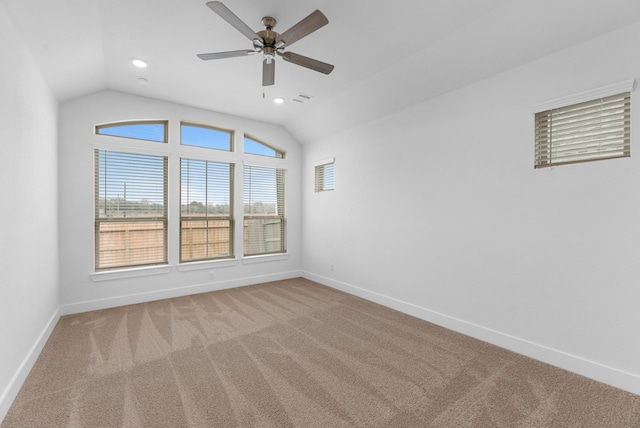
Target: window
[(587, 131), (324, 175), (206, 216), (206, 136), (130, 210), (152, 130), (254, 147), (132, 225), (264, 214)]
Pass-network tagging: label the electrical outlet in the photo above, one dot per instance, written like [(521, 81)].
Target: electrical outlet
[(211, 274), (330, 266)]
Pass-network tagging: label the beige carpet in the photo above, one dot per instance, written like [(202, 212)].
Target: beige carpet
[(294, 354)]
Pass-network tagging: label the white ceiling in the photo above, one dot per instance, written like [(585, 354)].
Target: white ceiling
[(387, 55)]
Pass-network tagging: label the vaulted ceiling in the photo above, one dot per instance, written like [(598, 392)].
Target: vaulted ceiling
[(387, 55)]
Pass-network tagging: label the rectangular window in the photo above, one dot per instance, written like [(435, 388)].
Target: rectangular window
[(264, 210), (130, 210), (588, 131), (206, 216), (206, 136), (324, 175)]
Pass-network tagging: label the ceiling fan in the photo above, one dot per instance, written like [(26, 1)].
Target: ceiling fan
[(269, 43)]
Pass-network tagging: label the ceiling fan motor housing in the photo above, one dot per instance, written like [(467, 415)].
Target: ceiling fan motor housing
[(269, 38)]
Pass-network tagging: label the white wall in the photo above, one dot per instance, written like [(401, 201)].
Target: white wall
[(439, 212), (28, 217), (80, 290)]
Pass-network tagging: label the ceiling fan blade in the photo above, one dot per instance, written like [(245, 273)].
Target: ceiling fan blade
[(268, 72), (221, 55), (303, 28), (224, 13), (310, 63)]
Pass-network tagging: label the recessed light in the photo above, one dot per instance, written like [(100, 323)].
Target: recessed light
[(278, 100), (140, 63)]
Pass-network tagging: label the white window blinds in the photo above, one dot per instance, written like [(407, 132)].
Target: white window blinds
[(130, 209), (588, 131), (206, 215), (264, 210)]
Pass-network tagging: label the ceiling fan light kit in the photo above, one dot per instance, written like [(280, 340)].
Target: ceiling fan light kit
[(270, 43)]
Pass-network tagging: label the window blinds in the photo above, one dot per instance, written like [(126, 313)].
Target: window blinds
[(264, 210), (206, 215), (130, 209), (592, 130), (324, 176)]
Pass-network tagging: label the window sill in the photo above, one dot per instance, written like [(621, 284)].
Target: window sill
[(129, 273), (209, 264), (264, 258)]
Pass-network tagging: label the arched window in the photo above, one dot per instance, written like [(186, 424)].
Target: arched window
[(253, 146)]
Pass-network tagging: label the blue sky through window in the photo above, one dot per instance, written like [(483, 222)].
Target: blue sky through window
[(130, 184), (155, 131), (254, 147), (205, 183), (201, 136)]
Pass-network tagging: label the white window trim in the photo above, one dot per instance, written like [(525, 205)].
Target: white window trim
[(108, 275), (324, 162), (142, 150), (580, 97), (262, 258), (207, 264), (320, 163)]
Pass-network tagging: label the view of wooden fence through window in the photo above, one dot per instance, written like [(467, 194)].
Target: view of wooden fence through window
[(130, 243), (206, 217), (264, 210), (130, 209), (131, 198)]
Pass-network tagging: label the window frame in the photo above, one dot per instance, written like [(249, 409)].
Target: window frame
[(172, 152), (543, 131), (99, 221), (231, 133), (279, 153), (165, 124), (320, 175), (230, 217), (280, 207)]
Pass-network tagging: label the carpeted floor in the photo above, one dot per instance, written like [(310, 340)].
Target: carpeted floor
[(294, 354)]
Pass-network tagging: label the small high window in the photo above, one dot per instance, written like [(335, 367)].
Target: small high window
[(592, 130), (152, 130), (254, 147), (324, 175), (206, 136)]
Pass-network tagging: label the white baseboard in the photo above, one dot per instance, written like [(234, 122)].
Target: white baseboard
[(11, 391), (593, 370), (130, 299)]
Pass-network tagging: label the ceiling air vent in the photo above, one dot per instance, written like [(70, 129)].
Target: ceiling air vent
[(302, 98)]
